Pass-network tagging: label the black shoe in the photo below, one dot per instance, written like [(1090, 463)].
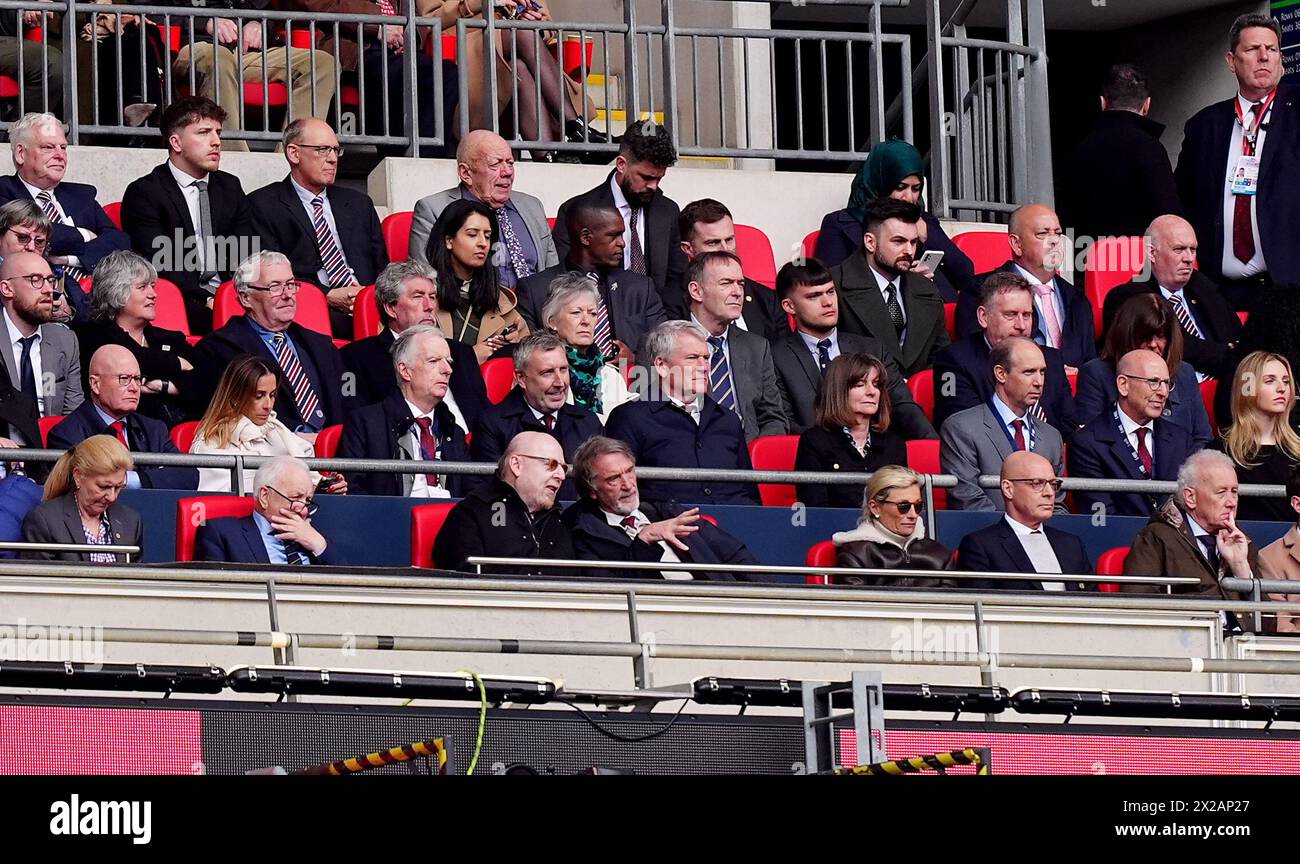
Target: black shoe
[(573, 131)]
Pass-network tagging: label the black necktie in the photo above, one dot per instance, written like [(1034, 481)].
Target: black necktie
[(295, 554), (26, 377), (824, 355), (1211, 549), (895, 310)]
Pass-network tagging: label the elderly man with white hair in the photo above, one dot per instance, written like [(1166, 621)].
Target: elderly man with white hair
[(279, 531)]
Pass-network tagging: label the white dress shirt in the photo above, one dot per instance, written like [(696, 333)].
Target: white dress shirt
[(669, 555), (883, 284), (811, 342), (448, 400), (62, 217), (13, 336), (1040, 552), (692, 409), (306, 196), (1130, 432), (620, 201), (1058, 305), (191, 196), (1232, 268), (420, 488)]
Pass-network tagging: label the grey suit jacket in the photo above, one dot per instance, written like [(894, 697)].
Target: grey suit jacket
[(430, 207), (58, 521), (762, 409), (60, 368), (972, 442)]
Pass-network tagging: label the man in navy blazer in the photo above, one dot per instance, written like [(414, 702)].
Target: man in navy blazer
[(280, 529), (350, 253), (610, 522), (1130, 440), (81, 232), (111, 410), (963, 377), (683, 427), (1022, 541), (1248, 241)]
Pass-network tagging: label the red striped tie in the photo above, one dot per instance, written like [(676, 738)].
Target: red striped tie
[(304, 397), (331, 256)]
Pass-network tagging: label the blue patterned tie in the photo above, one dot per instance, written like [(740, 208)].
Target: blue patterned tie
[(720, 383)]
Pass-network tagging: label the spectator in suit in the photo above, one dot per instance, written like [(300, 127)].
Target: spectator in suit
[(473, 306), (164, 212), (706, 226), (486, 167), (572, 312), (853, 431), (610, 522), (516, 515), (41, 357), (894, 169), (977, 440), (884, 295), (312, 396), (80, 505), (123, 306), (1145, 321), (81, 232), (412, 423), (1022, 541), (330, 233), (1211, 329), (629, 301), (962, 375), (741, 375), (19, 427), (37, 66), (807, 293), (1118, 178), (891, 535), (114, 387), (1281, 560), (24, 228), (405, 296), (1247, 231), (651, 234), (679, 425), (1130, 439), (1261, 441), (280, 529)]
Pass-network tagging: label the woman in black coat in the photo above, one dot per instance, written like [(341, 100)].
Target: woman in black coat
[(891, 535)]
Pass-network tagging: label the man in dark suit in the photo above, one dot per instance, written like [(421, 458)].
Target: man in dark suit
[(1119, 179), (610, 523), (1130, 440), (186, 216), (312, 394), (111, 410), (962, 375), (1211, 328), (405, 296), (1247, 228), (412, 423), (706, 226), (81, 233), (807, 292), (41, 358), (683, 427), (280, 529), (652, 242), (330, 233), (1022, 541), (741, 375), (881, 297), (19, 427), (629, 300)]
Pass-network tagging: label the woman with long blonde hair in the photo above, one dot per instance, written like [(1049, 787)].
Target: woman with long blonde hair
[(80, 504), (1261, 440)]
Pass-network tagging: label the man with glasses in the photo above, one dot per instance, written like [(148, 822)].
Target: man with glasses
[(41, 357), (311, 395), (1130, 440), (280, 529), (1022, 541), (115, 383), (24, 228), (330, 233), (513, 516)]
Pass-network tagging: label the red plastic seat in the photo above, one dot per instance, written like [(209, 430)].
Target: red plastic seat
[(170, 307), (923, 457), (112, 210), (922, 386), (193, 512), (183, 435), (1111, 262), (755, 251), (1111, 563), (313, 311), (1209, 389), (822, 554), (396, 229), (9, 88), (274, 94), (365, 316), (810, 244), (426, 522), (775, 453), (987, 250), (327, 441), (46, 424), (498, 377), (950, 320)]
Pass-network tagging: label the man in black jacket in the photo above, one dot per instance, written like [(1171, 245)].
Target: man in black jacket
[(514, 516)]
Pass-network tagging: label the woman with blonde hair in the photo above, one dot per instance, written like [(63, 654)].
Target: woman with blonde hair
[(891, 534), (241, 420), (1261, 441), (80, 504)]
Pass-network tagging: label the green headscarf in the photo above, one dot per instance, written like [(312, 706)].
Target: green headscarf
[(887, 165)]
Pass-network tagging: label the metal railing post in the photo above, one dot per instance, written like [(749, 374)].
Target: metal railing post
[(70, 88), (875, 79), (631, 68), (640, 662), (411, 122), (237, 476), (982, 646), (669, 49), (489, 75), (939, 192), (1039, 168), (931, 523)]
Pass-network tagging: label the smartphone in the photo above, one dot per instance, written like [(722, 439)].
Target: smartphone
[(506, 331), (932, 258), (326, 481)]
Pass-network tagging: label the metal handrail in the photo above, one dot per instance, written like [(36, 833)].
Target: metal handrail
[(17, 546)]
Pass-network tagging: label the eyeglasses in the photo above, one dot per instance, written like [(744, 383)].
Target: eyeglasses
[(1154, 383), (322, 149), (24, 239), (904, 507), (307, 506), (36, 280), (1037, 483), (276, 289), (551, 464), (128, 380)]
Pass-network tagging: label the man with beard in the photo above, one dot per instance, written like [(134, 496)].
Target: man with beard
[(41, 357), (881, 297)]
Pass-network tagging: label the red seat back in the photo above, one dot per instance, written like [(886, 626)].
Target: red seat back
[(923, 457), (426, 522), (193, 512), (822, 554), (1111, 262), (922, 386), (170, 307), (1210, 389), (1111, 563), (810, 244), (327, 441), (396, 229), (46, 424), (114, 212), (365, 315), (498, 377), (775, 453), (987, 250), (755, 251), (313, 312), (183, 435)]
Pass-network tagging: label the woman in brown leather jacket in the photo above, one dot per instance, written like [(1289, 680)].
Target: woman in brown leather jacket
[(891, 535)]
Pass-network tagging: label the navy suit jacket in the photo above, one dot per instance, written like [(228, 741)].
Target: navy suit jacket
[(381, 431), (1078, 342), (997, 549), (238, 541), (146, 435), (371, 364), (664, 436), (966, 364), (635, 307), (1098, 451)]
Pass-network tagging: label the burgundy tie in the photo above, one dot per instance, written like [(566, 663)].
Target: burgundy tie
[(1243, 234), (119, 429), (1019, 426), (1144, 455), (549, 420), (428, 446)]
